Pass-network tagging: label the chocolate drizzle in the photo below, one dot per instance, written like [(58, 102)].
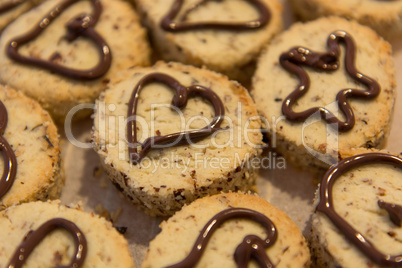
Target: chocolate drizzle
[(251, 247), (168, 25), (81, 25), (326, 205), (328, 61), (9, 5), (33, 238), (394, 211), (10, 161), (179, 100)]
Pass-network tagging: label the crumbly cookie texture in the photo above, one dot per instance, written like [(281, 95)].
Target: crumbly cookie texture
[(168, 178), (313, 144), (118, 25), (382, 16), (106, 247), (8, 16), (33, 137), (355, 197), (180, 232), (228, 52), (356, 151)]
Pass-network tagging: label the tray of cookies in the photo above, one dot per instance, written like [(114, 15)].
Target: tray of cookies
[(200, 133)]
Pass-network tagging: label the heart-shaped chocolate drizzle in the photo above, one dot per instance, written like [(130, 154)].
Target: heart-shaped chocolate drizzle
[(168, 25), (179, 100), (329, 61), (326, 205), (10, 161), (82, 25), (33, 238), (251, 247), (10, 5)]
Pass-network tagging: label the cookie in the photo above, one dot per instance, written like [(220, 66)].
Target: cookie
[(31, 165), (225, 36), (61, 65), (325, 87), (206, 142), (11, 9), (358, 215), (382, 16), (40, 234), (228, 230)]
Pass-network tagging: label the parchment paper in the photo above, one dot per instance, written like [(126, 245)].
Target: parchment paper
[(288, 189)]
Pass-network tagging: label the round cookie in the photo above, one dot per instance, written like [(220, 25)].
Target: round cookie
[(317, 104), (33, 140), (381, 15), (185, 168), (11, 9), (124, 45), (358, 215), (238, 217), (99, 243), (229, 51)]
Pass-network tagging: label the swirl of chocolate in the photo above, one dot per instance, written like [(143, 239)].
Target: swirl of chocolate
[(168, 25), (326, 205), (9, 5), (328, 61), (33, 238), (251, 247), (10, 161), (82, 25), (179, 100)]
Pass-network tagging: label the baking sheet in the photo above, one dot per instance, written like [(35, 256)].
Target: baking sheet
[(287, 189)]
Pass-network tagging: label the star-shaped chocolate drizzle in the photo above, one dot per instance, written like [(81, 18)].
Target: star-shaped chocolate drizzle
[(328, 61)]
